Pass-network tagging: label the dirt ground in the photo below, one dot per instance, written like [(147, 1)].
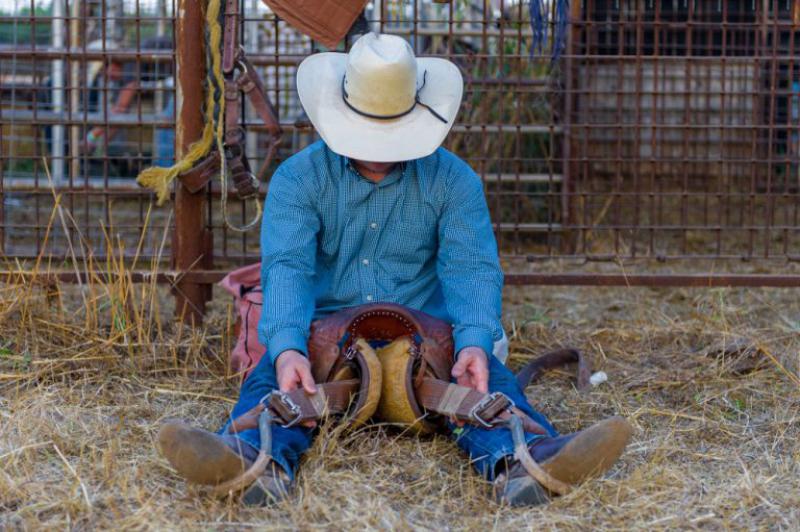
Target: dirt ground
[(708, 377)]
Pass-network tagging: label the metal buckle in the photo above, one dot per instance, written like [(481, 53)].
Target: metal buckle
[(246, 188), (233, 146), (350, 353), (290, 405), (474, 413), (242, 66), (414, 351)]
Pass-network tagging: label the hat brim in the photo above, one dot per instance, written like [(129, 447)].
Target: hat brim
[(415, 135)]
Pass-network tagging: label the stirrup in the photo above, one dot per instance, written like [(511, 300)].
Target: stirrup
[(523, 454), (244, 480)]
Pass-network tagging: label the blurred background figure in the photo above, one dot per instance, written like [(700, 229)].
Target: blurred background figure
[(118, 88)]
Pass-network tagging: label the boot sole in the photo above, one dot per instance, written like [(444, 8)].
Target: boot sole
[(268, 490), (198, 455), (592, 451), (523, 491)]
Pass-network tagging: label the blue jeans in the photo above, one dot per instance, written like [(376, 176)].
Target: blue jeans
[(486, 448)]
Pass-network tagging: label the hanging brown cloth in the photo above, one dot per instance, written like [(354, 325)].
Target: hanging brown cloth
[(325, 21)]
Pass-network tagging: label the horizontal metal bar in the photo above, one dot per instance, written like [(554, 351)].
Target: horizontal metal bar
[(25, 116), (289, 59), (528, 227), (768, 20), (505, 128), (45, 52), (523, 178), (765, 23), (110, 185), (707, 280), (131, 120), (95, 186), (687, 227), (138, 276), (78, 118), (633, 126), (701, 280)]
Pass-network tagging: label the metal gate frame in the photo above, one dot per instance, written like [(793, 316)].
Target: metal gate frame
[(193, 272)]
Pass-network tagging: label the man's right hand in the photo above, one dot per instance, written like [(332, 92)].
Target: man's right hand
[(294, 371)]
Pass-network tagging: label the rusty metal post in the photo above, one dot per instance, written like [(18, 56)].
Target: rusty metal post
[(189, 240), (571, 166)]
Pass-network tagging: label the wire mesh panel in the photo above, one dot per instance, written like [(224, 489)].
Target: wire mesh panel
[(667, 130), (683, 120), (508, 128), (87, 100)]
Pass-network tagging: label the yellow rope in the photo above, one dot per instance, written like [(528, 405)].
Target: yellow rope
[(215, 36), (159, 179)]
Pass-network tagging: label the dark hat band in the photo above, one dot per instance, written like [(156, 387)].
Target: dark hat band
[(398, 115)]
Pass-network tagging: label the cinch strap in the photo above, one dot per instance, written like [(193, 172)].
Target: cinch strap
[(398, 115)]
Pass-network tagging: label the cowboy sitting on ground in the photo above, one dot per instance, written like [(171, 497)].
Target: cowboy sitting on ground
[(377, 211)]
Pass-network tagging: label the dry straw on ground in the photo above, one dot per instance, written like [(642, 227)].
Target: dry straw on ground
[(87, 374)]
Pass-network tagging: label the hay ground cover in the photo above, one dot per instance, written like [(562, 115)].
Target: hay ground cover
[(709, 379)]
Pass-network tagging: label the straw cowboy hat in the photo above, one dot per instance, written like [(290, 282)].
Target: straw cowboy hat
[(379, 103)]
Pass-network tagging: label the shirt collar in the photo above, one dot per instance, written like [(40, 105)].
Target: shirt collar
[(397, 172)]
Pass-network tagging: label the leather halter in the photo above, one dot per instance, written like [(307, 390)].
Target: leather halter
[(240, 77)]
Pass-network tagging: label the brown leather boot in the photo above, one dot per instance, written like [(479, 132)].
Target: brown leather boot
[(207, 458), (572, 459)]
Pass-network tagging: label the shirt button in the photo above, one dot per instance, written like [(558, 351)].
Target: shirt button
[(373, 225), (369, 297), (365, 262)]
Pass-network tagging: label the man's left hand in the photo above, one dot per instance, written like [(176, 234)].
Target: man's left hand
[(472, 369)]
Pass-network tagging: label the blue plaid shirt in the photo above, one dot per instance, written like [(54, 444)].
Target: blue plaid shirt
[(421, 237)]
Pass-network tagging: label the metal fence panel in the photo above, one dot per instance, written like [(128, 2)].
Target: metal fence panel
[(684, 130), (86, 101), (668, 132)]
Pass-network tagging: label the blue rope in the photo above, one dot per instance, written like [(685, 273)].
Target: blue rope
[(540, 21), (560, 26)]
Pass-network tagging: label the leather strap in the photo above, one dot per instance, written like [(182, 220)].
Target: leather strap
[(197, 177), (292, 408), (231, 105), (533, 370), (238, 167), (462, 403), (250, 83), (230, 38), (296, 407)]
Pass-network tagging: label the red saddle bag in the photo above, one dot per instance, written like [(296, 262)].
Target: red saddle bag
[(244, 284)]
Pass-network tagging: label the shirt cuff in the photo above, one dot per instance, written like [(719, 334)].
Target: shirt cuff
[(473, 337), (287, 339)]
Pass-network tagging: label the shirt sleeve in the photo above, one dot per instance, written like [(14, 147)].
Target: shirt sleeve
[(288, 255), (468, 264)]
